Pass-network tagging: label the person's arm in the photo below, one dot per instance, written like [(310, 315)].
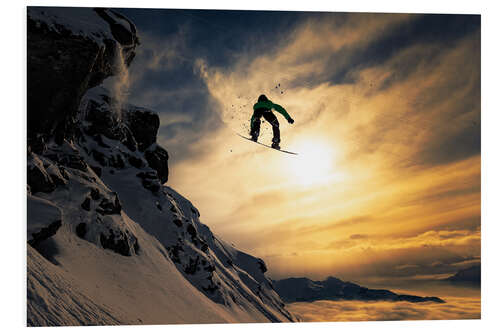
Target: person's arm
[(282, 110)]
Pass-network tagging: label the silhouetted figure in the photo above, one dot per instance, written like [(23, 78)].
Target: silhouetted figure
[(263, 109)]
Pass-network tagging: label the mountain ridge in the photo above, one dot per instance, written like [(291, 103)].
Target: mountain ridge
[(470, 275), (302, 289)]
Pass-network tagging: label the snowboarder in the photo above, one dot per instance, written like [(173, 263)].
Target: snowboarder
[(263, 109)]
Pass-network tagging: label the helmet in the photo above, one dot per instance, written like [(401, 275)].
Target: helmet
[(262, 98)]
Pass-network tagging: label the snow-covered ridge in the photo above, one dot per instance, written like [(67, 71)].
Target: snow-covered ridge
[(112, 202)]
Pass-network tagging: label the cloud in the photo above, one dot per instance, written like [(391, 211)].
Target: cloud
[(454, 308), (401, 194), (358, 236)]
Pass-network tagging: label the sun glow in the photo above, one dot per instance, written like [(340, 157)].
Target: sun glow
[(314, 164)]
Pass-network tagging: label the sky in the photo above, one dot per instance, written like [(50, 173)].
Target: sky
[(386, 185)]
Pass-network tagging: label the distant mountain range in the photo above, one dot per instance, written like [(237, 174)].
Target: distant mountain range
[(306, 290), (471, 275)]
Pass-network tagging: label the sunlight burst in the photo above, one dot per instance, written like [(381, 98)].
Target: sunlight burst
[(314, 164)]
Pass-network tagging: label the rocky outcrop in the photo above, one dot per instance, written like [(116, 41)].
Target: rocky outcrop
[(62, 66), (44, 233), (119, 242), (144, 125), (133, 127), (44, 175), (157, 158), (38, 178), (44, 220)]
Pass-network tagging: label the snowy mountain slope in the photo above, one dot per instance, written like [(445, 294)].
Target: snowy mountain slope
[(140, 242), (56, 299), (108, 242)]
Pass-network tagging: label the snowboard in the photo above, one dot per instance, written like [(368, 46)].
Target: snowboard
[(263, 144)]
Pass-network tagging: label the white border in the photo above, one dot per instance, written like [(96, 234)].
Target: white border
[(13, 168)]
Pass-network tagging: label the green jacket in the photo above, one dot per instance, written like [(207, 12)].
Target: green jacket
[(270, 105)]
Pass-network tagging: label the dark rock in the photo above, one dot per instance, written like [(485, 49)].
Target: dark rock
[(100, 142), (191, 230), (39, 180), (118, 243), (96, 169), (71, 160), (136, 247), (124, 36), (94, 194), (118, 205), (204, 247), (86, 204), (58, 180), (81, 230), (150, 181), (45, 233), (173, 252), (36, 144), (144, 125), (116, 161), (135, 162), (61, 67), (158, 160), (195, 211), (209, 268), (74, 161), (99, 157), (63, 172), (107, 207), (147, 175), (102, 121), (129, 140), (192, 267), (212, 287), (262, 265), (178, 222)]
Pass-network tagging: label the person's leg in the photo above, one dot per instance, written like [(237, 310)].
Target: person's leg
[(255, 125), (271, 118)]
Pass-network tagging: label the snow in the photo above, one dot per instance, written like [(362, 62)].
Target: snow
[(79, 282), (41, 213), (89, 285), (80, 21)]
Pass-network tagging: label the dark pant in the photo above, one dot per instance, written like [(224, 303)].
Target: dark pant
[(271, 118)]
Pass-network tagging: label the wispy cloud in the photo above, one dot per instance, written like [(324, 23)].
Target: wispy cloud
[(392, 102)]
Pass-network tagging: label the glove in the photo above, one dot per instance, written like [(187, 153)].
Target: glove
[(291, 121)]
